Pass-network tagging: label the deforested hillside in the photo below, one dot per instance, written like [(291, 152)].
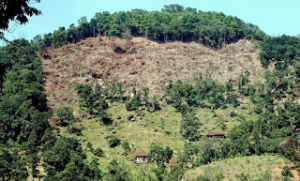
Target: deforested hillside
[(176, 94), (142, 63)]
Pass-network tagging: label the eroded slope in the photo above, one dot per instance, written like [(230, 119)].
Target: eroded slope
[(142, 63)]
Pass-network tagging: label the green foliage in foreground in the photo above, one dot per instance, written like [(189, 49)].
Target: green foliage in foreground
[(23, 103), (65, 161), (12, 166), (23, 110), (25, 131)]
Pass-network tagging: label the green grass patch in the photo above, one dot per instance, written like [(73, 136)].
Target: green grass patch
[(252, 166), (161, 127), (212, 120)]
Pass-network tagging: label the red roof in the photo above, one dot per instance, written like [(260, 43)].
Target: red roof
[(216, 134), (141, 154)]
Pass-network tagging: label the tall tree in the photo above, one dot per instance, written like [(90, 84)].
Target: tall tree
[(15, 10)]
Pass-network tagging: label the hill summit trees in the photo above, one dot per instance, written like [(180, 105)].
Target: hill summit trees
[(173, 23)]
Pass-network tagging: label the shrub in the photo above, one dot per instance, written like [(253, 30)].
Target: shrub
[(242, 177), (287, 172), (75, 130), (90, 146), (155, 104), (99, 152), (126, 146), (114, 141), (232, 114), (65, 115)]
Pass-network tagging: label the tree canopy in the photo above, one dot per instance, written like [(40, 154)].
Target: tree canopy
[(173, 23)]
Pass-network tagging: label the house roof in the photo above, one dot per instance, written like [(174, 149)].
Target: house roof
[(141, 154), (216, 134)]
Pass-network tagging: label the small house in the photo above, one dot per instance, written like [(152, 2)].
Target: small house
[(141, 157), (216, 135)]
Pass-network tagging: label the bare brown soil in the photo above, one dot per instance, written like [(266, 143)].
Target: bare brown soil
[(142, 63)]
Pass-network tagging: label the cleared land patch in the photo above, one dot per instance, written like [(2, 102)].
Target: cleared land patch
[(142, 63)]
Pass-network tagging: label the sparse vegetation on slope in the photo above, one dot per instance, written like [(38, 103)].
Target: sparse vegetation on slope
[(146, 64), (264, 167)]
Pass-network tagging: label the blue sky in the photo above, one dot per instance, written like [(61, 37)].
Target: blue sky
[(275, 17)]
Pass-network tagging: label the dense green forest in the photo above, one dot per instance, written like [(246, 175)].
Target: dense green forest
[(25, 131), (27, 137), (173, 23)]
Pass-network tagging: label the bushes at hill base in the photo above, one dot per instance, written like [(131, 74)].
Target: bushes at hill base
[(65, 161)]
